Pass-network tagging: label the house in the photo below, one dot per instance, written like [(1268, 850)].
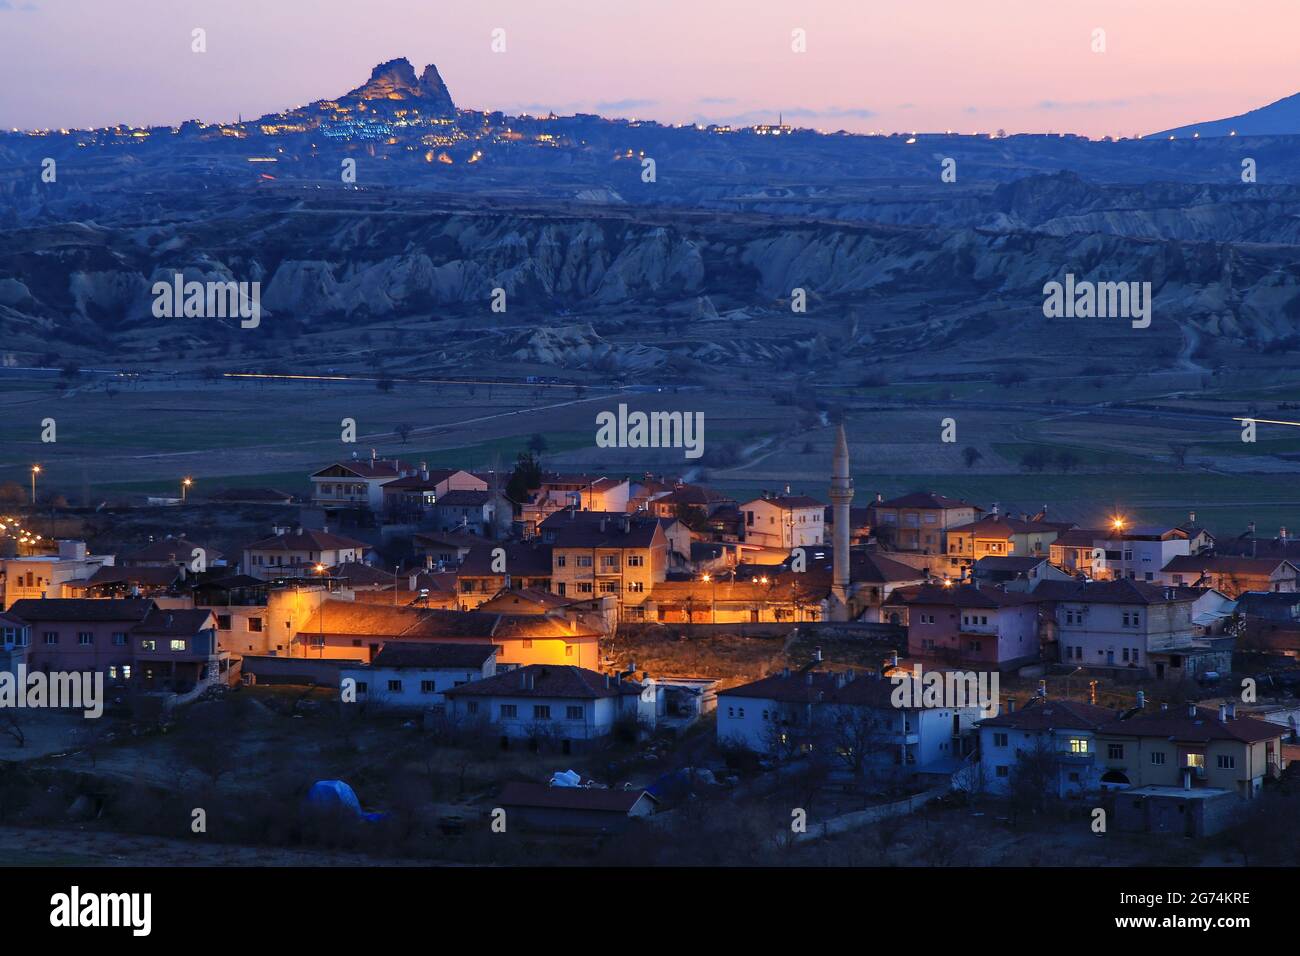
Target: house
[(1016, 573), (968, 625), (1138, 553), (1056, 737), (1199, 539), (849, 714), (172, 552), (565, 705), (784, 521), (446, 550), (724, 598), (1281, 607), (357, 484), (873, 578), (132, 641), (536, 806), (523, 601), (83, 634), (489, 568), (354, 630), (45, 575), (601, 554), (1193, 812), (688, 499), (1190, 747), (1077, 552), (177, 650), (412, 497), (1000, 536), (1123, 625), (1231, 574), (919, 521), (251, 496), (484, 513), (15, 641), (299, 554), (414, 677), (115, 581)]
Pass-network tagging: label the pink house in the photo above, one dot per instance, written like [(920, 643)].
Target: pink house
[(130, 641), (968, 625)]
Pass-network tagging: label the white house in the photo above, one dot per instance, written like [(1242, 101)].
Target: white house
[(561, 704), (357, 483), (298, 553), (784, 521), (416, 676), (1119, 624), (841, 711), (1139, 554), (1059, 734)]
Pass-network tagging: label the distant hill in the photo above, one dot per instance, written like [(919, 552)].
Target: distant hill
[(1277, 119)]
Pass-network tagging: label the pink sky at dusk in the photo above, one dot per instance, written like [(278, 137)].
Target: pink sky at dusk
[(891, 65)]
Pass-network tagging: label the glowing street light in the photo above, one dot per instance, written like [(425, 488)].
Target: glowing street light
[(185, 486), (36, 470)]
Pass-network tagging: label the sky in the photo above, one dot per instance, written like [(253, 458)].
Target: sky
[(888, 65)]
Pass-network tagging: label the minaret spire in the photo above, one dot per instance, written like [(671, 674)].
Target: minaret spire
[(841, 495)]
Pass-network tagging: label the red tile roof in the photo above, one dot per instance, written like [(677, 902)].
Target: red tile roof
[(548, 680)]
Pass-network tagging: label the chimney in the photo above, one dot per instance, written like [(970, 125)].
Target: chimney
[(1191, 709), (1164, 707), (995, 509), (879, 497), (893, 658), (1223, 713), (1281, 533), (1042, 689), (817, 654), (1011, 705), (787, 488), (1191, 517), (1141, 700), (428, 562), (1232, 711)]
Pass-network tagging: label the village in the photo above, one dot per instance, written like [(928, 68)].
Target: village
[(600, 664)]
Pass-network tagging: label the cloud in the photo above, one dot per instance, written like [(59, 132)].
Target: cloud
[(10, 6), (1080, 104), (625, 104), (716, 100)]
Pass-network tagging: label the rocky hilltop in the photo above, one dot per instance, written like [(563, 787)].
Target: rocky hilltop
[(396, 80)]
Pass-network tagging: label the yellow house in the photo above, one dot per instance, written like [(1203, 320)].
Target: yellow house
[(1190, 747), (598, 554), (1000, 536)]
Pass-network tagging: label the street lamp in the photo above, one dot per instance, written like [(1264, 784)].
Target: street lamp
[(320, 644), (185, 485), (36, 470)]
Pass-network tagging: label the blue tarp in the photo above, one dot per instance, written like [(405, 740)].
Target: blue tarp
[(335, 794)]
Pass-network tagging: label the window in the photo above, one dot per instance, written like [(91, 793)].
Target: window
[(148, 645), (51, 637), (528, 643), (362, 686), (636, 587), (395, 686), (561, 561), (472, 707), (119, 639), (85, 637), (254, 624), (1158, 758), (428, 687), (1114, 751), (568, 650), (584, 560), (999, 740), (541, 711), (584, 587), (178, 645), (1227, 762), (509, 711), (573, 712), (1078, 745), (112, 672), (635, 560), (1004, 771)]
